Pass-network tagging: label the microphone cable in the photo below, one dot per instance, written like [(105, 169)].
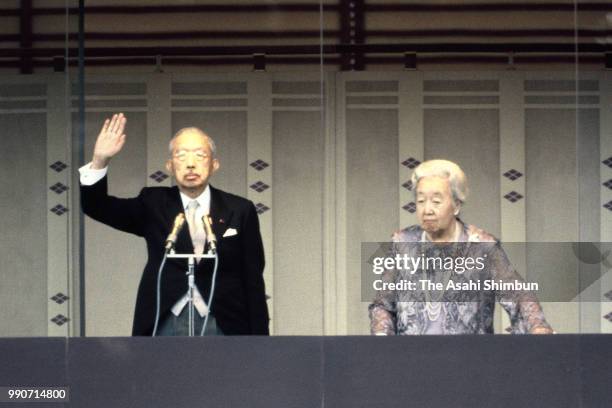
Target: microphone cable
[(212, 292), (158, 295)]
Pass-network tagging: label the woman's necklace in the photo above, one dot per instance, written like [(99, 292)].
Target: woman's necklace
[(434, 309)]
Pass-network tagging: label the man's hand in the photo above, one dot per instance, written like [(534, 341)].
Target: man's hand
[(109, 142)]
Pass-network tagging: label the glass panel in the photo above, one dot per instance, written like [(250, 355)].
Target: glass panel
[(496, 88), (593, 144), (37, 290), (250, 77), (318, 109)]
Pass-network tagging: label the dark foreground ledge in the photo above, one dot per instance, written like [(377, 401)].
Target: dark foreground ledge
[(428, 371)]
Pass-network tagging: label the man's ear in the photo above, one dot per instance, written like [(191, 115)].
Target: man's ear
[(169, 166), (216, 164)]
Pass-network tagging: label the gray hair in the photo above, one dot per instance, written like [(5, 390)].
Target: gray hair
[(211, 142), (445, 169)]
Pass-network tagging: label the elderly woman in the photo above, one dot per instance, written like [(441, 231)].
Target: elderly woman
[(440, 187)]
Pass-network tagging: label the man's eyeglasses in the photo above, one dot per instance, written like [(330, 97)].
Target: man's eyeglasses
[(199, 156)]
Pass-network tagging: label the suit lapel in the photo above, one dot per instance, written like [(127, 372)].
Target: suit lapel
[(220, 213)]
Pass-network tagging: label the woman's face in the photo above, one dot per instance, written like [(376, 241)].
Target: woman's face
[(435, 206)]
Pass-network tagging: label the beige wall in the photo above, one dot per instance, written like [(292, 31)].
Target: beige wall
[(335, 180)]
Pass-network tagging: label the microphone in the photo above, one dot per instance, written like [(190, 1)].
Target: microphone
[(179, 221), (212, 239)]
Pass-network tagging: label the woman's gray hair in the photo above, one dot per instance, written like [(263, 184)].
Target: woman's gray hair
[(211, 142), (445, 169)]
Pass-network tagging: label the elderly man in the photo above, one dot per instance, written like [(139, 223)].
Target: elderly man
[(239, 306), (440, 188)]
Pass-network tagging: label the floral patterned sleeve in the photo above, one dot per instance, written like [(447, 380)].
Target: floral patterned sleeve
[(383, 308), (522, 306)]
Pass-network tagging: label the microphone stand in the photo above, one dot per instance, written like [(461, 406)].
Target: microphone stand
[(170, 253), (190, 284)]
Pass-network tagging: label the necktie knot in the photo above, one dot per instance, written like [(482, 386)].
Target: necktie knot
[(193, 205)]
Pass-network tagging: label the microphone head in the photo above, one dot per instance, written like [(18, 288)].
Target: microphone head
[(207, 224), (179, 220), (210, 235)]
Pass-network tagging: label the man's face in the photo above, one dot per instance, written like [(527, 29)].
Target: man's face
[(435, 205), (192, 163)]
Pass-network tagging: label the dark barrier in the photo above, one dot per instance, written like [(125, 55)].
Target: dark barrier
[(425, 371)]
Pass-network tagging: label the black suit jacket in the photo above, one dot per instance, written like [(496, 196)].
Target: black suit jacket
[(239, 303)]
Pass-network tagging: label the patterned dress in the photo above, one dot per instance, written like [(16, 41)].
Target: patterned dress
[(405, 312)]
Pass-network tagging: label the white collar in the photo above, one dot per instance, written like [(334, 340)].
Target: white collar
[(203, 199)]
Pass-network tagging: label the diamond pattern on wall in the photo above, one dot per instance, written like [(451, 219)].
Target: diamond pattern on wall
[(411, 162), (410, 207), (59, 209), (608, 162), (60, 319), (259, 165), (608, 184), (608, 317), (259, 186), (59, 298), (408, 185), (158, 176), (58, 166), (58, 188), (261, 208), (513, 196), (608, 295), (513, 174), (608, 205)]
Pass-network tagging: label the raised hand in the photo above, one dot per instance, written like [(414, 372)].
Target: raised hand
[(110, 141)]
